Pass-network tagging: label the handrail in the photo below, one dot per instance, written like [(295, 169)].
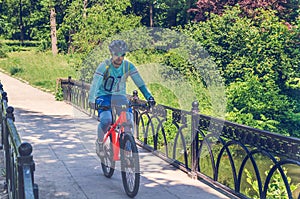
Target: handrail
[(200, 145), (19, 164)]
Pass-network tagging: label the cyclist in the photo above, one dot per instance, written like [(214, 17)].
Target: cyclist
[(109, 87)]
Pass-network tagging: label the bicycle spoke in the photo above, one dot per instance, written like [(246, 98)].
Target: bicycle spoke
[(107, 162), (130, 166)]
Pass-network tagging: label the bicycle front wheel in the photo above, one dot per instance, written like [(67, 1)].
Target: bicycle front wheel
[(130, 166), (107, 162)]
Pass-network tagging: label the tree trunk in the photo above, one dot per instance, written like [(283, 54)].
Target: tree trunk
[(188, 5), (172, 18), (53, 31), (151, 13), (21, 26), (85, 3)]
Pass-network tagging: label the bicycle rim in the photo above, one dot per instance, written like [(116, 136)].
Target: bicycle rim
[(130, 166), (107, 162)]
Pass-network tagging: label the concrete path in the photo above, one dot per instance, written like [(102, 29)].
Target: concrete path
[(64, 153)]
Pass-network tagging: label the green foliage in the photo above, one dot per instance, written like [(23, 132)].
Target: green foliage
[(276, 187), (3, 50), (39, 22), (2, 54), (164, 95), (14, 70), (17, 46), (166, 13), (187, 72), (59, 93), (44, 45), (143, 56), (239, 45), (258, 58), (103, 20), (71, 24), (257, 103), (169, 130)]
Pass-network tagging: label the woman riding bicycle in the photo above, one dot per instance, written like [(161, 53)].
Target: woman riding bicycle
[(109, 87)]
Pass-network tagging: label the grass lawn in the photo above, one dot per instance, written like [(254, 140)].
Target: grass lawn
[(40, 69)]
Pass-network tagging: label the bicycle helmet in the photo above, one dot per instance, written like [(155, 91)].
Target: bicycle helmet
[(118, 47)]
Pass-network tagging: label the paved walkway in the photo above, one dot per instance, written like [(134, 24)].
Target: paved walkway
[(64, 153)]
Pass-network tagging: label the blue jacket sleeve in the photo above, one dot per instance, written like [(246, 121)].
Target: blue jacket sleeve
[(96, 83), (139, 82)]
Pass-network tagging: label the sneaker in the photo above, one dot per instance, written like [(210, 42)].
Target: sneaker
[(99, 149)]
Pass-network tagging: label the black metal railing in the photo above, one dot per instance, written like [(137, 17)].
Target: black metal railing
[(237, 159), (19, 164)]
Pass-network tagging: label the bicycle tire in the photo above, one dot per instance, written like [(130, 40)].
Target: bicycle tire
[(130, 166), (107, 162)]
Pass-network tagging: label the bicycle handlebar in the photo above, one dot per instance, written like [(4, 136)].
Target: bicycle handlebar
[(125, 106), (148, 105), (134, 102)]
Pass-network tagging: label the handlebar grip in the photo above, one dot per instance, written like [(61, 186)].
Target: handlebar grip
[(151, 102)]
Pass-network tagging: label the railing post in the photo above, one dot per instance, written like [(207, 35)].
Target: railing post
[(135, 115), (26, 168), (82, 95), (1, 116), (11, 141), (6, 142), (195, 139), (69, 89)]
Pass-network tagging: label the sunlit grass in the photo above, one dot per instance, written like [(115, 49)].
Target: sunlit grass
[(39, 69)]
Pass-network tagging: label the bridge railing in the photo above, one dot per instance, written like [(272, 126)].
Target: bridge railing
[(19, 164), (235, 159)]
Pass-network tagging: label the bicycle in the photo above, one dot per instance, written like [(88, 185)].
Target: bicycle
[(119, 144)]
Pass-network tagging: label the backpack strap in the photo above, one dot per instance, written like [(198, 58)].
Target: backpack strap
[(106, 73), (126, 68)]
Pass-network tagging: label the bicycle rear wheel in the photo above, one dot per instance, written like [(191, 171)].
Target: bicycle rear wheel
[(107, 162), (130, 166)]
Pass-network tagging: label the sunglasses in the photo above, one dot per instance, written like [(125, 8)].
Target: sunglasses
[(120, 54)]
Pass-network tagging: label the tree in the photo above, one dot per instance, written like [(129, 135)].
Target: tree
[(12, 14), (145, 9), (103, 20), (74, 19)]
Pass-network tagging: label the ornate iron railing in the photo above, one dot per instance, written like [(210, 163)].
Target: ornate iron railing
[(242, 161), (19, 164)]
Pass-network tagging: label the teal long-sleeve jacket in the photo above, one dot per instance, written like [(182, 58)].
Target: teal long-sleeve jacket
[(108, 80)]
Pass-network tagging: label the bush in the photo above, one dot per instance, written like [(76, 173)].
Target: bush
[(14, 70), (2, 54), (59, 96)]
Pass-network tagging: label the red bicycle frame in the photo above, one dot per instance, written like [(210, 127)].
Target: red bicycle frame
[(116, 136)]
